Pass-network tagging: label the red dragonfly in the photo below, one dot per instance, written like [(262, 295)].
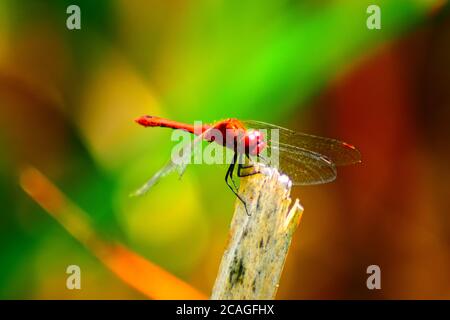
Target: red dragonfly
[(304, 158)]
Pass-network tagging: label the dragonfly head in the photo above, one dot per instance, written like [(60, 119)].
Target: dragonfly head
[(254, 142)]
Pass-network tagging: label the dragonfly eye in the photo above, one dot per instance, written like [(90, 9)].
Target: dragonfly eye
[(255, 142)]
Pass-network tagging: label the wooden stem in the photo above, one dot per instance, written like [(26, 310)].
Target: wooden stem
[(258, 244)]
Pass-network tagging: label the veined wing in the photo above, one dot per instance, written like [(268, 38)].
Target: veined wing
[(179, 163), (338, 152), (303, 167)]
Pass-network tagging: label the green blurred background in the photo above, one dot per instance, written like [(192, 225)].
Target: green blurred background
[(68, 99)]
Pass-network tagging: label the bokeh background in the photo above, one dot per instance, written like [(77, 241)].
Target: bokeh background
[(68, 99)]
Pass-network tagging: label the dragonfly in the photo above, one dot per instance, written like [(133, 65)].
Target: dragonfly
[(306, 159)]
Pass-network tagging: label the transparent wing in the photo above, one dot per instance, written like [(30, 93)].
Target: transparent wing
[(179, 164), (338, 152), (304, 167), (168, 168)]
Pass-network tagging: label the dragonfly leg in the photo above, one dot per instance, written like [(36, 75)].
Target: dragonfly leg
[(232, 170), (241, 167), (227, 176), (263, 159), (248, 173), (246, 164)]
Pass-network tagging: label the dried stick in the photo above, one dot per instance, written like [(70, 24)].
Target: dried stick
[(258, 244)]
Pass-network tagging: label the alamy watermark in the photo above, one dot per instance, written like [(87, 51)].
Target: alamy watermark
[(373, 21), (73, 281), (73, 21), (374, 280), (258, 146)]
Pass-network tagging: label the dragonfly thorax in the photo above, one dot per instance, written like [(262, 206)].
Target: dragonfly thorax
[(240, 139)]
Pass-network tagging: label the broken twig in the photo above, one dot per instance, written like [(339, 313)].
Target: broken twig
[(253, 261)]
